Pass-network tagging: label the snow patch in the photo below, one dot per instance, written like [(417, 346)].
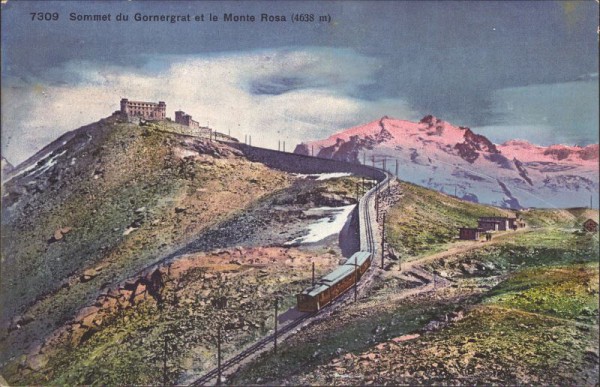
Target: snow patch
[(50, 163), (35, 165), (331, 224)]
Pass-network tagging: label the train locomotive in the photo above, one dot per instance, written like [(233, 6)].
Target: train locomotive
[(335, 283)]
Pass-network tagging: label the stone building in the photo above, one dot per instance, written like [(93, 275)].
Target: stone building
[(489, 225), (468, 233), (185, 119), (144, 110), (503, 223)]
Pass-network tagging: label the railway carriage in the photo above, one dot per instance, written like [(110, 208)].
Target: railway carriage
[(334, 284), (362, 259)]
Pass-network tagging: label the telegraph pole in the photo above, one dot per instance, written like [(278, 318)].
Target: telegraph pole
[(313, 273), (284, 146), (355, 277), (382, 239), (275, 342), (219, 355), (279, 145), (165, 381), (397, 168), (312, 150)]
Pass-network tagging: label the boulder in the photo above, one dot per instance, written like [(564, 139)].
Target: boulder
[(406, 338), (37, 362), (59, 233), (89, 274)]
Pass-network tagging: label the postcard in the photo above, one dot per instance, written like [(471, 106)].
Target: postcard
[(299, 193)]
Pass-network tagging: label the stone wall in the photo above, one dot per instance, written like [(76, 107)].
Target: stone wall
[(297, 163)]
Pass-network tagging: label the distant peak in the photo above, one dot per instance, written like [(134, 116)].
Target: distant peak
[(431, 120)]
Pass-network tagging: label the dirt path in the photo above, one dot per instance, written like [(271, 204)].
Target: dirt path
[(462, 248), (413, 270)]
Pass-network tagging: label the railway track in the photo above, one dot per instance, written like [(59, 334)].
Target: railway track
[(368, 242), (260, 345)]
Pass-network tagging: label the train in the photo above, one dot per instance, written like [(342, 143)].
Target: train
[(335, 283)]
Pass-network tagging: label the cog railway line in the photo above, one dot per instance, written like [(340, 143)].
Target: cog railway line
[(368, 243)]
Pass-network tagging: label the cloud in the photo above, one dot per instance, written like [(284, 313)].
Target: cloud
[(546, 114), (291, 95)]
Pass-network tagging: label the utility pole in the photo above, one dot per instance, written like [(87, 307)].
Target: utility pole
[(397, 168), (246, 139), (219, 355), (275, 342), (312, 150), (165, 381), (279, 145), (250, 140), (384, 163), (382, 239), (313, 273), (355, 278), (284, 146)]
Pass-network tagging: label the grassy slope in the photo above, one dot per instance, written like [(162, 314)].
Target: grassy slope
[(539, 325), (425, 221), (514, 333), (569, 217), (123, 168), (525, 329), (127, 345)]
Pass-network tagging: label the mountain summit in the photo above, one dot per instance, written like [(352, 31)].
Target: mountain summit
[(454, 159)]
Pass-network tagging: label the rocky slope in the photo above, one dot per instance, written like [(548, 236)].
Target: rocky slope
[(520, 309), (119, 236), (103, 202), (438, 155), (171, 313)]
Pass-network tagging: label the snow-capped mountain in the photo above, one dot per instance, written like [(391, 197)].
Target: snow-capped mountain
[(438, 155)]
